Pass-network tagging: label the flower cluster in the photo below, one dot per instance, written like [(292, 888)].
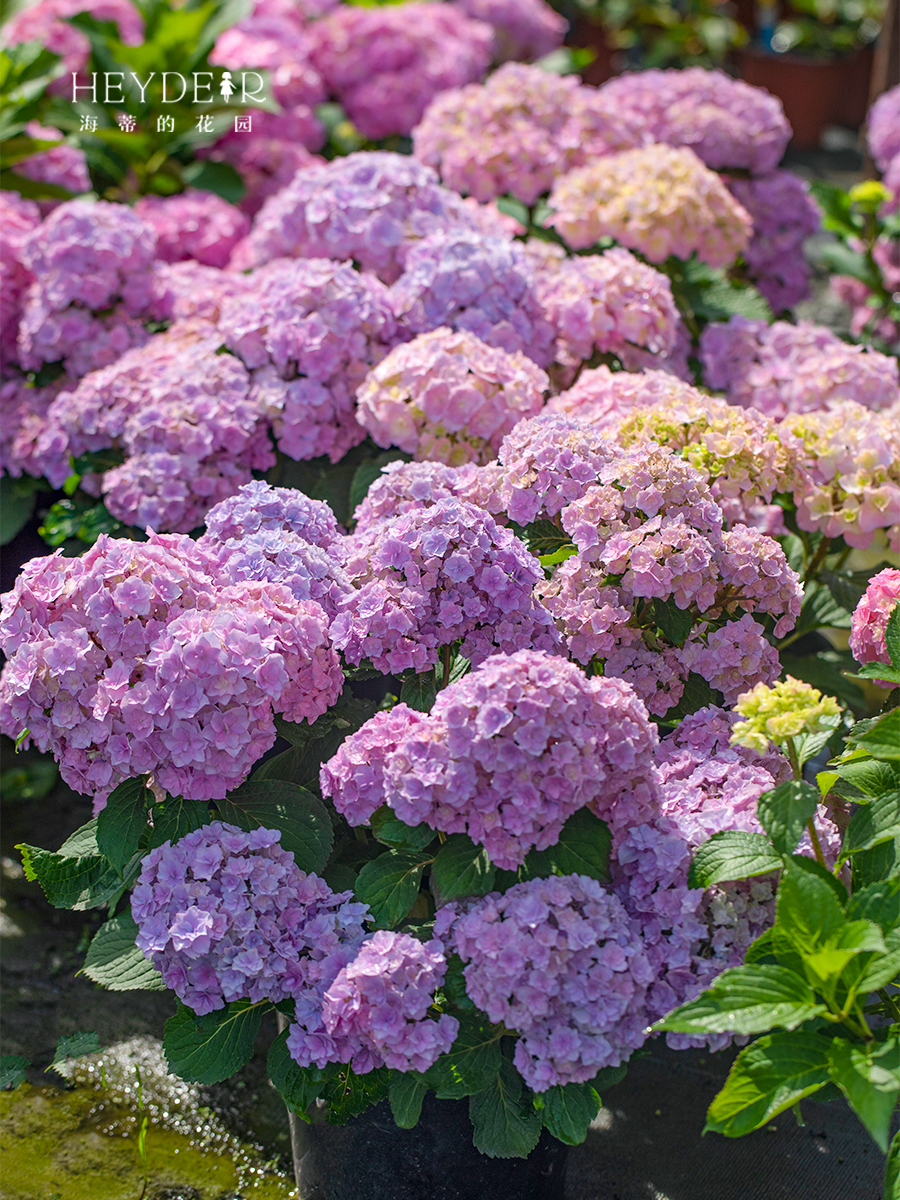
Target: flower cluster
[(727, 123), (482, 284), (17, 218), (560, 962), (737, 654), (133, 659), (198, 225), (403, 486), (183, 415), (374, 1013), (435, 576), (781, 712), (783, 368), (386, 64), (882, 124), (309, 330), (189, 292), (606, 303), (227, 915), (657, 199), (275, 38), (870, 618), (63, 165), (23, 419), (784, 214), (368, 207), (603, 397), (523, 29), (514, 134), (449, 397), (258, 507)]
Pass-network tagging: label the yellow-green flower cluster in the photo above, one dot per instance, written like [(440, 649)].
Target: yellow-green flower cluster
[(781, 712)]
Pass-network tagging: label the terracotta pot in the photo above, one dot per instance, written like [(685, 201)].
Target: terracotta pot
[(593, 37), (807, 89)]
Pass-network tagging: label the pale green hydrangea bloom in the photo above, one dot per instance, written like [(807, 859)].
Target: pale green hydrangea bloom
[(780, 712)]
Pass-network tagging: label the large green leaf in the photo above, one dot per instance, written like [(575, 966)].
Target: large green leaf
[(12, 1070), (767, 1077), (74, 1045), (869, 1077), (407, 1091), (301, 818), (114, 961), (882, 740), (873, 823), (418, 691), (870, 775), (583, 849), (211, 1048), (78, 882), (504, 1125), (461, 868), (783, 812), (298, 1086), (175, 817), (391, 831), (122, 821), (808, 912), (730, 855), (472, 1062), (879, 902), (568, 1111), (17, 501), (747, 999), (389, 885)]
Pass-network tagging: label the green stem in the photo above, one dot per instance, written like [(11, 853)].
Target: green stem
[(890, 1004), (817, 559), (816, 844)]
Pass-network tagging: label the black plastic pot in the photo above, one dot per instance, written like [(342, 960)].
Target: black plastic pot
[(369, 1158)]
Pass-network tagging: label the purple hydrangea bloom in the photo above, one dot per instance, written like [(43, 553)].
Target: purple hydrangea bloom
[(733, 659), (560, 962), (268, 158), (435, 576), (194, 224), (227, 915), (17, 218), (447, 396), (726, 122), (63, 166), (523, 29), (23, 418), (883, 128), (258, 507), (374, 1012), (403, 486), (368, 207), (870, 618), (385, 64)]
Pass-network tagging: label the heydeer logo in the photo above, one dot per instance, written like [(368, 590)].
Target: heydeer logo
[(110, 87)]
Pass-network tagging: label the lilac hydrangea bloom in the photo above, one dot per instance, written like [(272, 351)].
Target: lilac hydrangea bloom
[(435, 576), (132, 659), (368, 207), (523, 29), (63, 166), (482, 284), (726, 122), (660, 200), (514, 134), (447, 396), (258, 507), (227, 915), (17, 218), (385, 64), (23, 418), (882, 125), (374, 1012), (403, 486), (560, 962), (194, 224), (783, 368), (870, 618), (190, 292), (734, 658)]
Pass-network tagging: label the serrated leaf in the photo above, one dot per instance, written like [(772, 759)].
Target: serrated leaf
[(873, 823), (744, 1000), (389, 884), (568, 1111), (391, 831), (767, 1077), (784, 811), (883, 739), (122, 821), (472, 1062), (504, 1126), (870, 775), (419, 691), (211, 1048), (881, 862), (348, 1094), (892, 1170), (879, 902), (870, 1079), (298, 1086), (461, 868), (300, 817), (674, 622), (807, 910), (697, 694), (68, 881), (82, 842), (175, 818), (74, 1045), (407, 1091), (731, 855), (808, 745), (880, 969), (855, 939), (583, 849), (12, 1070), (115, 962)]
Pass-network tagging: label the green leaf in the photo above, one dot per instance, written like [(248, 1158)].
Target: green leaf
[(892, 1170), (873, 823), (855, 939), (808, 745), (419, 691), (344, 717), (825, 671), (870, 775), (389, 829), (558, 556), (461, 868), (583, 849), (301, 818), (298, 1086), (74, 1045), (389, 885), (820, 610), (747, 999), (71, 882), (870, 1079), (218, 177), (783, 813), (211, 1048), (569, 1110), (731, 855), (12, 1070), (879, 863), (878, 970), (175, 818), (32, 189), (17, 501), (349, 1094), (883, 739), (472, 1062), (807, 911), (407, 1091), (122, 821), (767, 1077), (83, 841), (675, 623), (115, 962), (892, 636), (543, 538), (697, 694), (504, 1127), (879, 902)]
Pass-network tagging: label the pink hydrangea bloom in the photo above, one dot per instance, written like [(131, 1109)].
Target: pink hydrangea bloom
[(517, 132), (227, 915), (23, 418), (403, 486), (883, 128), (870, 618), (280, 43), (64, 166), (132, 659), (726, 122), (784, 214), (560, 962), (368, 207), (449, 397), (189, 292), (782, 368), (17, 218), (385, 64), (658, 199), (734, 658), (435, 576), (523, 29), (194, 224), (603, 397), (258, 507)]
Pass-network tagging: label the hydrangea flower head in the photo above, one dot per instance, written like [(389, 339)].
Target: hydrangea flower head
[(523, 29), (227, 915), (870, 618), (194, 224), (603, 397), (656, 199), (882, 124), (403, 486), (449, 397), (781, 712), (258, 506), (63, 166), (17, 217)]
